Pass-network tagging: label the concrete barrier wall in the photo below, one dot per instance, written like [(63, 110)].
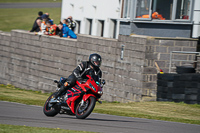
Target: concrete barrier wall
[(33, 62)]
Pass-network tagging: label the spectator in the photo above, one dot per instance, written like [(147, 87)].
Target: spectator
[(51, 20), (59, 29), (35, 26), (39, 30), (39, 22), (45, 18), (66, 31), (47, 14), (71, 24), (43, 25), (65, 21), (52, 28)]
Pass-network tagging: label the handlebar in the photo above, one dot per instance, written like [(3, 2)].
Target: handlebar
[(103, 82)]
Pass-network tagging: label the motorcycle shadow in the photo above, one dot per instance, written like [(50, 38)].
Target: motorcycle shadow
[(102, 119), (113, 120)]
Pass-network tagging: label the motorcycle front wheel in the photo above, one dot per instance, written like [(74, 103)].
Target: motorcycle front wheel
[(84, 109), (49, 109)]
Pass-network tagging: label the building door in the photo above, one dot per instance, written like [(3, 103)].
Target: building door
[(100, 28), (88, 27), (113, 28)]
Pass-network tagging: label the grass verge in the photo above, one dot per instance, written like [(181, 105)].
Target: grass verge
[(167, 111), (28, 1), (25, 129), (23, 18)]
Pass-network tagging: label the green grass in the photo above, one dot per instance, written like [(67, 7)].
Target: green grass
[(23, 18), (25, 129), (27, 1), (29, 97), (168, 111)]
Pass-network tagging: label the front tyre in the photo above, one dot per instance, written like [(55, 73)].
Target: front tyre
[(49, 109), (84, 109)]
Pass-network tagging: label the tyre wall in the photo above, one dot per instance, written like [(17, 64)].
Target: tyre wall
[(179, 88)]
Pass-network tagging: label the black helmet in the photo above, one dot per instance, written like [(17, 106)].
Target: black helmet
[(95, 60)]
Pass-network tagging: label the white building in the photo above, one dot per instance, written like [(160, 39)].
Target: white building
[(94, 17), (162, 18), (109, 18)]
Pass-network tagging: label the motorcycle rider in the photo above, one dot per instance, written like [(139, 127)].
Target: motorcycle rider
[(90, 67)]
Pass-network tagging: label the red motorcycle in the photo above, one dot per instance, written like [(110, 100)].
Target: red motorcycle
[(80, 100)]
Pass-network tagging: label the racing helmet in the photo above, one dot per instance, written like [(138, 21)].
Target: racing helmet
[(95, 60)]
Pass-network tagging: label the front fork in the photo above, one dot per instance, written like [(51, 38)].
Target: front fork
[(85, 97), (82, 102)]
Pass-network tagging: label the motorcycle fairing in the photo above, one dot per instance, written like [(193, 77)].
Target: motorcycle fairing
[(73, 95), (85, 97), (75, 92)]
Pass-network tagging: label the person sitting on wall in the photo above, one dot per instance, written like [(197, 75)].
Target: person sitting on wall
[(35, 25), (66, 31), (52, 28), (71, 24)]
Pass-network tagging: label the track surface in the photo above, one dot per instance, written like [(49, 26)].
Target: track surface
[(30, 5), (20, 114)]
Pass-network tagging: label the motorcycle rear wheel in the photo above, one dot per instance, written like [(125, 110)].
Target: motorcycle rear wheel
[(50, 110), (82, 114)]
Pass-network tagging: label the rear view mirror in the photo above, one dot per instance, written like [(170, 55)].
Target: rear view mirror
[(55, 81), (103, 82)]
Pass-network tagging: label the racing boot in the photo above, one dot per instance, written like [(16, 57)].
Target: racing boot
[(58, 94), (55, 99), (62, 89)]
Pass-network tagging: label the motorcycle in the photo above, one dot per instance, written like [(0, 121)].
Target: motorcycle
[(79, 100)]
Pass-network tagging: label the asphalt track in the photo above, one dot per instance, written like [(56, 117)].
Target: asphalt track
[(30, 5), (20, 114)]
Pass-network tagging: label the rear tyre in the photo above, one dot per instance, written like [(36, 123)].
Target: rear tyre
[(83, 111), (50, 110)]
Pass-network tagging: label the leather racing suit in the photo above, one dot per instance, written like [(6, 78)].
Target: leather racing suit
[(80, 72)]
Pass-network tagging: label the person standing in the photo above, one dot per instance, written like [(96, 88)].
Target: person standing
[(35, 25), (48, 18), (39, 29), (71, 24), (39, 22)]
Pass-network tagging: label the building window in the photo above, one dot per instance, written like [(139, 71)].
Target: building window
[(162, 9), (100, 28), (143, 9), (174, 10), (126, 8), (183, 9), (88, 26)]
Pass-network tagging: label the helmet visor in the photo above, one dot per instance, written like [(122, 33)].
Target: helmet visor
[(97, 63)]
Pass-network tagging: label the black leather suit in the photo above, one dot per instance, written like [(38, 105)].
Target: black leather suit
[(80, 72)]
